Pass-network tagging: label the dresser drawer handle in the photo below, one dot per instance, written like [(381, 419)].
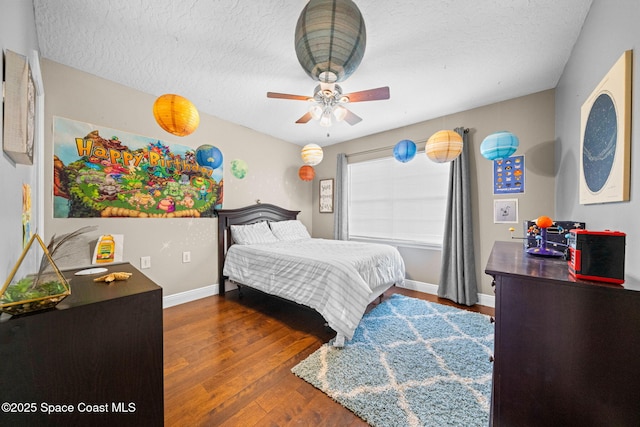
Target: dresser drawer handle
[(491, 359), (492, 319)]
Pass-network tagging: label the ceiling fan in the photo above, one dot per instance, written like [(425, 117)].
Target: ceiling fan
[(328, 100)]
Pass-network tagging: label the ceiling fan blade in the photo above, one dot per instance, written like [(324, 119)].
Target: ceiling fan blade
[(352, 118), (369, 95), (304, 119), (287, 96)]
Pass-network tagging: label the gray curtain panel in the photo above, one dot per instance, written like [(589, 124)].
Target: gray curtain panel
[(458, 280), (340, 212)]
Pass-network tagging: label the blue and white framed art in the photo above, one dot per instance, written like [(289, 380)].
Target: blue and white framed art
[(605, 137)]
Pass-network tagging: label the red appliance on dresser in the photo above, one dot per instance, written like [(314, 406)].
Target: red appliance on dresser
[(597, 255)]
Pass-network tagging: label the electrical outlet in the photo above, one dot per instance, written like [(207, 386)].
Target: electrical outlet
[(186, 257), (145, 262)]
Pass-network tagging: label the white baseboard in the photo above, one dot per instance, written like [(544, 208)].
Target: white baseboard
[(487, 300), (190, 295), (430, 288), (207, 291)]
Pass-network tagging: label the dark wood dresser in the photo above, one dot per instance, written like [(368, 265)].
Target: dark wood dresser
[(567, 351), (94, 360)]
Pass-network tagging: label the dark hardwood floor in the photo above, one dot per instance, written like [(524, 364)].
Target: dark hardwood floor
[(227, 362)]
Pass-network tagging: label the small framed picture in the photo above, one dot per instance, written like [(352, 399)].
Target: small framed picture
[(326, 195), (19, 109), (505, 211)]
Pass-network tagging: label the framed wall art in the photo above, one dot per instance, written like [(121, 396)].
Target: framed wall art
[(505, 211), (508, 175), (19, 109), (326, 195), (605, 137)]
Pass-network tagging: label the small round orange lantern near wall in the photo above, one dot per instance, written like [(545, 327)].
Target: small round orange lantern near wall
[(306, 173), (176, 114), (444, 146)]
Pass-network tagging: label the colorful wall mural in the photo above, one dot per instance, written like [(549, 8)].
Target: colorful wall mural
[(101, 172)]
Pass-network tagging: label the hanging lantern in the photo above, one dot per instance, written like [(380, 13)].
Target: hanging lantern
[(330, 39), (444, 146), (176, 115), (499, 145), (306, 173), (209, 156), (404, 150), (311, 154)]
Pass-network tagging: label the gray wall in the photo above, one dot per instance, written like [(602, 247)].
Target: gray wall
[(18, 34), (530, 117), (610, 28), (273, 177)]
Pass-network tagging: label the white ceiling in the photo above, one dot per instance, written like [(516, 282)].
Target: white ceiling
[(438, 57)]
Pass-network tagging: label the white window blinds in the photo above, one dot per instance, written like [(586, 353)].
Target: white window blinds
[(401, 202)]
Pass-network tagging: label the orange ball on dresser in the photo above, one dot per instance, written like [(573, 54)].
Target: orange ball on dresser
[(544, 222)]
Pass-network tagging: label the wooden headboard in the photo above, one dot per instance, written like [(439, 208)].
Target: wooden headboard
[(247, 215)]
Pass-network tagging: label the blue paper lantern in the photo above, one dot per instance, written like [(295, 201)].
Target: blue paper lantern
[(499, 145), (208, 155), (404, 150)]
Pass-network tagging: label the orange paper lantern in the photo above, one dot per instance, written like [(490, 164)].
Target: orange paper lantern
[(306, 173), (176, 114), (444, 146)]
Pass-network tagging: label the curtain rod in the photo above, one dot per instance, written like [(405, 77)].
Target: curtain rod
[(377, 150)]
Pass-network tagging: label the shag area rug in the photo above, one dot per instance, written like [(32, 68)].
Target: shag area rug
[(410, 363)]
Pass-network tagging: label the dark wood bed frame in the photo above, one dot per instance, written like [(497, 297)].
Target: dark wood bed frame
[(242, 216)]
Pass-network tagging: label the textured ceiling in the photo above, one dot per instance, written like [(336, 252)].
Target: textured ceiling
[(438, 57)]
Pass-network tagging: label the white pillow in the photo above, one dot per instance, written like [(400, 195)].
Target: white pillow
[(252, 234), (289, 230)]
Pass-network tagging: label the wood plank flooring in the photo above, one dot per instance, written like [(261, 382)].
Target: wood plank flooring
[(227, 362)]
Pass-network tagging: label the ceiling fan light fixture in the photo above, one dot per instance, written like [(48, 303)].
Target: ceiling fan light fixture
[(316, 112), (325, 120), (327, 87), (339, 112), (330, 39)]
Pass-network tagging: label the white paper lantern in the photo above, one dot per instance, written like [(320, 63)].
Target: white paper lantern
[(311, 154)]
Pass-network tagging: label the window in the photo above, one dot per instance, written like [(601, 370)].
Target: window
[(398, 202)]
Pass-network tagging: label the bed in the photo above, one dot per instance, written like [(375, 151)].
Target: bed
[(265, 247)]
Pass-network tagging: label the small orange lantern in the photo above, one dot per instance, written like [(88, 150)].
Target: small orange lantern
[(306, 173), (176, 114), (444, 146)]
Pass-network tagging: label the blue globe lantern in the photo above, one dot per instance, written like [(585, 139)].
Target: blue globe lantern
[(499, 145), (404, 150), (208, 155)]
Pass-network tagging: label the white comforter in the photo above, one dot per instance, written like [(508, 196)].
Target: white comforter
[(336, 278)]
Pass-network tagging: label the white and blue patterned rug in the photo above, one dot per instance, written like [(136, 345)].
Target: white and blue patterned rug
[(410, 363)]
